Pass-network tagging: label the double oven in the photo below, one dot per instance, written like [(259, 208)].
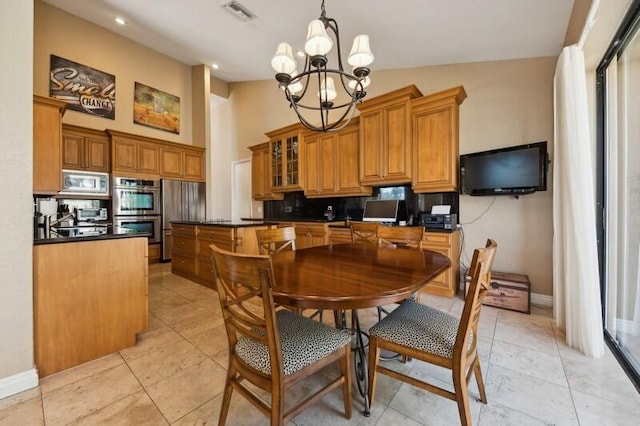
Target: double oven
[(136, 205)]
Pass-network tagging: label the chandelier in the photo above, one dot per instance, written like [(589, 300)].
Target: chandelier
[(312, 92)]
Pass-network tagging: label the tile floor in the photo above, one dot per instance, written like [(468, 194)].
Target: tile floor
[(175, 375)]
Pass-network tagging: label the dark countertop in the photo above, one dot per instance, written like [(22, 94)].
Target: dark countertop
[(227, 223), (69, 236)]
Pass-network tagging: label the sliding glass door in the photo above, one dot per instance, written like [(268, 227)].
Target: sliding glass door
[(619, 191)]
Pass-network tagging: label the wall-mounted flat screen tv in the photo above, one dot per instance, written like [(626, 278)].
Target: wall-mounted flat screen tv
[(380, 211), (515, 170)]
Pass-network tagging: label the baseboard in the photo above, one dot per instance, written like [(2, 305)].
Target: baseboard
[(18, 382), (542, 300), (628, 326)]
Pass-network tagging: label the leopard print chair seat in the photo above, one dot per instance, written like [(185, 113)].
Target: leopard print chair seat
[(303, 341), (419, 327)]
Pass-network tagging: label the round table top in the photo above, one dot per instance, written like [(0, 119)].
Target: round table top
[(352, 276)]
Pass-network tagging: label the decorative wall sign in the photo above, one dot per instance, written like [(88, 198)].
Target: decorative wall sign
[(155, 108), (83, 88)]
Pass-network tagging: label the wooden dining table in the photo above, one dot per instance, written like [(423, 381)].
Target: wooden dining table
[(343, 277)]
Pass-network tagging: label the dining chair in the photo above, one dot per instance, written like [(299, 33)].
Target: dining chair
[(271, 241), (364, 232), (272, 350), (429, 335), (406, 236)]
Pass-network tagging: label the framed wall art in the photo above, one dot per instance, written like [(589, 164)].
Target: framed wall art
[(155, 108), (83, 88)]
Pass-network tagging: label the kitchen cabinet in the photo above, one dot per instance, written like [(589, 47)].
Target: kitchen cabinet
[(311, 234), (435, 123), (182, 163), (330, 166), (47, 145), (261, 174), (287, 158), (134, 155), (183, 249), (85, 149), (192, 255), (385, 138), (85, 309), (339, 234), (448, 244)]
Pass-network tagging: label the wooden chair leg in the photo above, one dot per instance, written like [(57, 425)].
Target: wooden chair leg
[(462, 397), (345, 369), (226, 398), (374, 358), (277, 407), (478, 373)]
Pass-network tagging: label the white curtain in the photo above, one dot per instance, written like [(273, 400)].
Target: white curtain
[(576, 283)]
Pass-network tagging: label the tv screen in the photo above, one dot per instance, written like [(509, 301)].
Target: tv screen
[(380, 211), (514, 170)]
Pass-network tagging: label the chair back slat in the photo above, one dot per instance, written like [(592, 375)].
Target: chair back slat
[(271, 241), (409, 236), (364, 232), (480, 271), (245, 290)]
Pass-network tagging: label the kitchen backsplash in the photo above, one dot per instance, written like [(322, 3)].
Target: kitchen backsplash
[(296, 206)]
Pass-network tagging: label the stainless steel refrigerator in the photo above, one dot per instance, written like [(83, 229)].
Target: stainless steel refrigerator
[(181, 201)]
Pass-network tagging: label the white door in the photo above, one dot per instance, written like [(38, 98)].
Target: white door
[(241, 189)]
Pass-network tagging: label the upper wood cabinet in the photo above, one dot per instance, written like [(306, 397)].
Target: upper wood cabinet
[(385, 137), (331, 163), (287, 158), (85, 149), (47, 141), (182, 163), (134, 155), (261, 173), (434, 123)]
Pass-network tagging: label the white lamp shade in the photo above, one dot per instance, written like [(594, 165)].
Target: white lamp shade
[(283, 61), (360, 55), (327, 90), (318, 42), (354, 83)]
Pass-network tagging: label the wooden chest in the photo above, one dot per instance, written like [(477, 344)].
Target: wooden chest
[(508, 291)]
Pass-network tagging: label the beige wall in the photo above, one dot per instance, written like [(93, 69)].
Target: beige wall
[(67, 36), (16, 232), (509, 103)]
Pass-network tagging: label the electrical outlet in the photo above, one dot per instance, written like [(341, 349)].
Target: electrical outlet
[(287, 209)]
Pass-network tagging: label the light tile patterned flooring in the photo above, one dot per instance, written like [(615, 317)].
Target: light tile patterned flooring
[(175, 375)]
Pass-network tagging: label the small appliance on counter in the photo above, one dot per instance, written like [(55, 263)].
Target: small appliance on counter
[(440, 218), (91, 214)]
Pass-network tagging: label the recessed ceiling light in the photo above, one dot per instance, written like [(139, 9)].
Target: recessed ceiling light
[(300, 53), (120, 20), (215, 66)]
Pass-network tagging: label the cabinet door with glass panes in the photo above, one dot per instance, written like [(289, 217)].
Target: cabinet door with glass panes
[(285, 147)]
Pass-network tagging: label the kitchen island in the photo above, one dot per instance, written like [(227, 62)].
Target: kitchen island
[(90, 296), (191, 256)]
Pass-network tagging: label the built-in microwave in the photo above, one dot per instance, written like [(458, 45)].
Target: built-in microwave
[(76, 182)]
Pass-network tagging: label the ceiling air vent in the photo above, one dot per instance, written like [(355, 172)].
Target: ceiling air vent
[(239, 11)]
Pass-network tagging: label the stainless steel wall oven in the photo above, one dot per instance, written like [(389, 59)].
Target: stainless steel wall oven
[(137, 206)]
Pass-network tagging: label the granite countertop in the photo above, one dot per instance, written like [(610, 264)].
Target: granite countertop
[(227, 223), (81, 234)]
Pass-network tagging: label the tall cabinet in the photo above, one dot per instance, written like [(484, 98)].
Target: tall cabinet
[(434, 124), (385, 137), (47, 142)]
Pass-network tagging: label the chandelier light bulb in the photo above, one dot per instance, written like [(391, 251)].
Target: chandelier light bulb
[(283, 61), (327, 90), (318, 42), (360, 55)]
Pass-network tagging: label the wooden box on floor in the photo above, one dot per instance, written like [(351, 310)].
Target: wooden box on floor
[(508, 291)]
